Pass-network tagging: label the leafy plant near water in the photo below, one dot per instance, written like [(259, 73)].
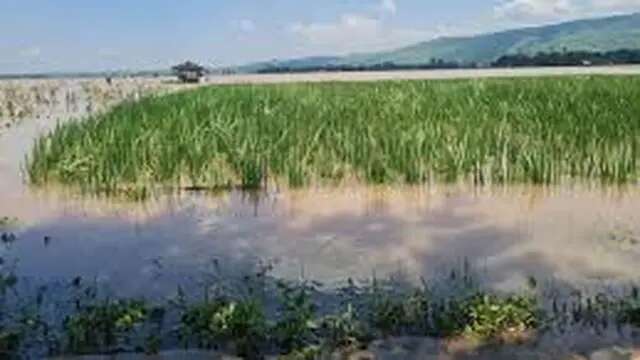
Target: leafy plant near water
[(342, 330), (398, 315), (240, 324), (305, 322), (297, 316), (488, 316), (482, 131), (104, 327)]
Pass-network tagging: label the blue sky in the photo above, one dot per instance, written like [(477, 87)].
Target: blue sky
[(88, 35)]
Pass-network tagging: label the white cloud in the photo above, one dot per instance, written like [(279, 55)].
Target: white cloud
[(358, 32), (355, 33), (561, 9)]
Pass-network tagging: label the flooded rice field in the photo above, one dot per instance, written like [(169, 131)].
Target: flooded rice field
[(574, 233), (574, 237)]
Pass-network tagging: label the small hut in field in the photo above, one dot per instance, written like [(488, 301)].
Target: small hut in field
[(189, 72)]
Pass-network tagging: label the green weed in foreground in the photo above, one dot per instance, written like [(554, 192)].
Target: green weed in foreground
[(542, 130), (241, 325), (104, 327), (489, 316)]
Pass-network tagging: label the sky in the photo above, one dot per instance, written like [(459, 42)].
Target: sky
[(97, 35)]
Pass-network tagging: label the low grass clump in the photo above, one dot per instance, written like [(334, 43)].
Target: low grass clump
[(544, 130)]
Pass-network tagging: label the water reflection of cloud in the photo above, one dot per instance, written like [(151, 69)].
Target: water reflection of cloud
[(333, 234)]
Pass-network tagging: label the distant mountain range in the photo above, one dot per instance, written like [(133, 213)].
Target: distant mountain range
[(601, 34)]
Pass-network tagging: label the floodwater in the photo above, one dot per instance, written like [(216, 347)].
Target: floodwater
[(424, 74), (576, 234)]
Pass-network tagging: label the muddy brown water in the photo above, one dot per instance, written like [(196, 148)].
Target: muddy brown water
[(574, 234)]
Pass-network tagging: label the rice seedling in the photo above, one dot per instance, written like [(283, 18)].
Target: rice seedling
[(546, 130)]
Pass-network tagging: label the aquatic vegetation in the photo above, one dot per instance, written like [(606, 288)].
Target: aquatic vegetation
[(104, 327), (296, 317), (394, 315), (342, 330), (241, 324), (545, 130), (489, 316)]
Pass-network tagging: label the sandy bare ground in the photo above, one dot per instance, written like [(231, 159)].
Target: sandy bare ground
[(421, 75)]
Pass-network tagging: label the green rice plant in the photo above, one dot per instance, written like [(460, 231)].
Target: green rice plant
[(542, 130)]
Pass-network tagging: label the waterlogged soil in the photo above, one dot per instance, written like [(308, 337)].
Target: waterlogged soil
[(567, 237)]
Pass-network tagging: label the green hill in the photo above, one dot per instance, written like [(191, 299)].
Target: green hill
[(604, 34), (600, 34)]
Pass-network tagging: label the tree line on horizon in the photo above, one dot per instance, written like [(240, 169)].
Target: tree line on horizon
[(553, 58)]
